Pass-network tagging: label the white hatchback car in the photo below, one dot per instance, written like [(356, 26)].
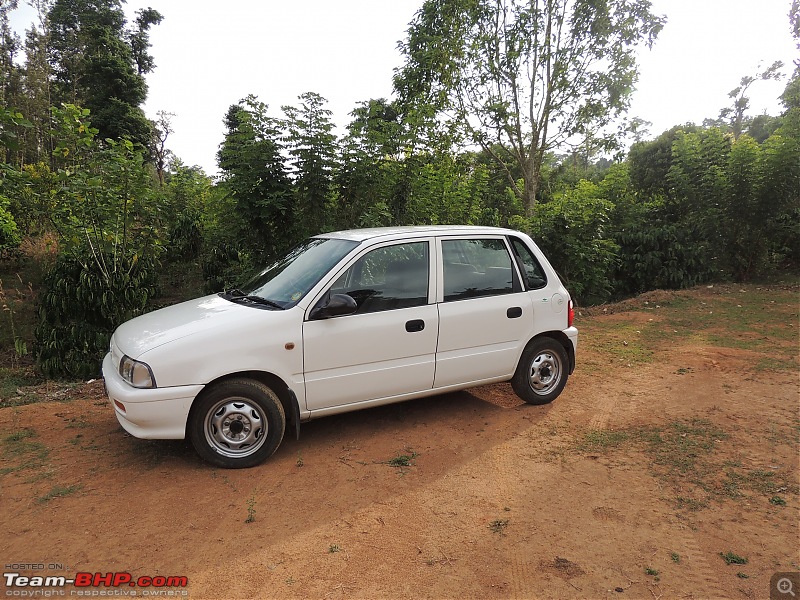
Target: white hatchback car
[(344, 321)]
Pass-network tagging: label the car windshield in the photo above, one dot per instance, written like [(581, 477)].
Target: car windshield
[(288, 279)]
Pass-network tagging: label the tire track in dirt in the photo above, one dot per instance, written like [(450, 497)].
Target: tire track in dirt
[(628, 396), (521, 469), (701, 574)]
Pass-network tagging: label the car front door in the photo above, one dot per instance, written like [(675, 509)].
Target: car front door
[(485, 316), (387, 346)]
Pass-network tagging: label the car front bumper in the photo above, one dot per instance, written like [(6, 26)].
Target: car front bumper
[(158, 413)]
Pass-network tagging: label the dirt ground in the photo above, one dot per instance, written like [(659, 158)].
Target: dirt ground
[(673, 448)]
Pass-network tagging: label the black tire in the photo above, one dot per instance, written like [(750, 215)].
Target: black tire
[(542, 371), (237, 424)]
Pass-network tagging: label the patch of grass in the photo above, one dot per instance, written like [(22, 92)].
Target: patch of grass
[(753, 319), (676, 558), (333, 549), (40, 476), (762, 481), (692, 457), (681, 446), (621, 343), (741, 575), (602, 440), (402, 460), (13, 382), (58, 492), (651, 572), (692, 504), (731, 558), (17, 436), (498, 526), (22, 451), (777, 501)]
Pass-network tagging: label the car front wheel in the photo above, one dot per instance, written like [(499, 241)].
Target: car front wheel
[(542, 371), (237, 424)]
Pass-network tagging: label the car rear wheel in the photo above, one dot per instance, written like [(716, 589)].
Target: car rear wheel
[(237, 424), (542, 371)]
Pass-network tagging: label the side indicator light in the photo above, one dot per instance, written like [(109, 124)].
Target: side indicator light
[(119, 405)]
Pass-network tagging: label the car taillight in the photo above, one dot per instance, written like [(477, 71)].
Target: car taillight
[(570, 314)]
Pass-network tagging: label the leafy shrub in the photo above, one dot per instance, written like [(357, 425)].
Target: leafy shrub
[(655, 253), (106, 215), (79, 308), (570, 230), (9, 232)]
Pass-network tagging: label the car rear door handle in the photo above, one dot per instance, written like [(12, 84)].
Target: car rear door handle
[(415, 325), (514, 312)]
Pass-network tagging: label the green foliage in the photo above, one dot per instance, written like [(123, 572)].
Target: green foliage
[(651, 161), (656, 253), (186, 195), (80, 307), (731, 558), (447, 191), (256, 178), (368, 179), (106, 215), (9, 232), (104, 201), (571, 230), (313, 154), (507, 76), (225, 259), (98, 63)]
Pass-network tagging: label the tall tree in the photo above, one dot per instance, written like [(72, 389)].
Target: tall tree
[(255, 178), (525, 77), (162, 129), (313, 151), (370, 164), (9, 48), (100, 64)]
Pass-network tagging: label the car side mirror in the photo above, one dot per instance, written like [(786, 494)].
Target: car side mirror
[(336, 306)]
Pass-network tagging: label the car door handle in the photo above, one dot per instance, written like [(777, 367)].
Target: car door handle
[(415, 325), (514, 312)]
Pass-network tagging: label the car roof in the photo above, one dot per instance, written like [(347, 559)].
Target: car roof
[(360, 235)]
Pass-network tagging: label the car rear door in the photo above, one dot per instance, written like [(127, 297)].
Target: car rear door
[(387, 348), (485, 316)]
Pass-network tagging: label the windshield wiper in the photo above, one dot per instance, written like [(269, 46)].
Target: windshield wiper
[(237, 294)]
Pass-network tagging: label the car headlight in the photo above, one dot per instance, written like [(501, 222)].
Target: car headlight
[(137, 373)]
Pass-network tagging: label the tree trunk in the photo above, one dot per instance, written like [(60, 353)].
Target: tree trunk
[(530, 175)]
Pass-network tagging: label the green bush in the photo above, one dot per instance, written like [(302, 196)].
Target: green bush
[(570, 230), (9, 232), (79, 308)]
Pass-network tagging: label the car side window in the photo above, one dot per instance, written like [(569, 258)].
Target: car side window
[(532, 270), (475, 268), (387, 278)]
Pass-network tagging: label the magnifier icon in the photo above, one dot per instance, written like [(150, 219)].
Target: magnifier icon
[(784, 586)]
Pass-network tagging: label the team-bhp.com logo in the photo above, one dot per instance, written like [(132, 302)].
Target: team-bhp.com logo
[(21, 585)]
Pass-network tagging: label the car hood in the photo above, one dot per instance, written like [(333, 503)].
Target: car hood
[(149, 331)]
